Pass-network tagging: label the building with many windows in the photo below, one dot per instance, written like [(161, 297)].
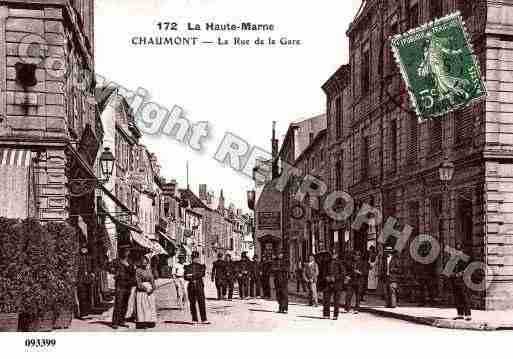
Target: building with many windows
[(50, 130), (303, 148), (383, 156)]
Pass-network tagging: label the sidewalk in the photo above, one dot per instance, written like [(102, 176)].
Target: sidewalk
[(436, 317)]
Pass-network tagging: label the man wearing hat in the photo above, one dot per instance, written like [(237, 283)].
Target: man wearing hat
[(354, 274), (256, 275), (243, 271), (194, 274), (219, 276), (265, 279), (229, 271), (333, 283), (125, 279), (391, 276), (281, 282)]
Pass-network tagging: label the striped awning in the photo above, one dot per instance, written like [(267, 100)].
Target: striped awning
[(15, 157), (157, 248), (141, 240), (169, 239), (15, 183), (149, 245)]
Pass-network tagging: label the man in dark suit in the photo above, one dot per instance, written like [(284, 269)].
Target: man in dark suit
[(194, 274), (266, 278), (243, 271), (333, 283), (229, 276), (219, 276), (460, 289), (256, 275), (281, 281), (125, 279), (354, 274)]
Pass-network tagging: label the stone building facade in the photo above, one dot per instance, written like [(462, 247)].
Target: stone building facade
[(50, 130), (302, 148), (338, 108), (391, 161)]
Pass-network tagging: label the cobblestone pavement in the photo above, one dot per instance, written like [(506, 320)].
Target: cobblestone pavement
[(249, 315)]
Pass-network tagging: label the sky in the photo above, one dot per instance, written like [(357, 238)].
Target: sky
[(237, 90)]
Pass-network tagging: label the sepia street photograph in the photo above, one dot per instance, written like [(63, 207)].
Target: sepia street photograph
[(339, 172)]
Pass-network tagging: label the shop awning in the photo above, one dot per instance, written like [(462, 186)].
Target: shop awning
[(118, 222), (115, 199), (151, 246), (141, 240), (16, 182), (169, 239), (157, 248)]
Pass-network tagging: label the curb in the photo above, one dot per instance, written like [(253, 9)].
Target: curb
[(435, 322)]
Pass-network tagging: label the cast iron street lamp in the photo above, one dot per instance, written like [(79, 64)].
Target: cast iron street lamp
[(107, 160), (446, 171), (80, 186)]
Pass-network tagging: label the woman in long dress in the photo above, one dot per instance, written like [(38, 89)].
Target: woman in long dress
[(145, 307), (372, 283)]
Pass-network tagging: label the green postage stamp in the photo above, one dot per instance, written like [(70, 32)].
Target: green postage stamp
[(439, 67)]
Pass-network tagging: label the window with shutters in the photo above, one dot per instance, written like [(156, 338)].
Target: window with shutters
[(330, 119), (394, 30), (435, 9), (414, 16), (389, 204), (365, 69), (413, 217), (338, 116), (463, 125), (465, 7), (365, 158), (412, 140), (339, 174), (393, 145), (435, 134)]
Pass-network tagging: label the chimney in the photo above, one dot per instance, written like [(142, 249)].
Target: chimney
[(203, 192), (274, 146)]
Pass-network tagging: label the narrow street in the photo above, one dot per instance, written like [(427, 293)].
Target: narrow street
[(250, 315)]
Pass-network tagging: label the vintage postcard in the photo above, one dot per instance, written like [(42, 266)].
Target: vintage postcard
[(237, 166)]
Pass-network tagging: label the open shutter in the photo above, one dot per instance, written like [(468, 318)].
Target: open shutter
[(464, 124)]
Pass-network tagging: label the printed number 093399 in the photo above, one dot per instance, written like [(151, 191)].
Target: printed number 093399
[(40, 343)]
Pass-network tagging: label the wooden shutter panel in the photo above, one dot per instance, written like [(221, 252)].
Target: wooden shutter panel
[(464, 124), (412, 140), (436, 133)]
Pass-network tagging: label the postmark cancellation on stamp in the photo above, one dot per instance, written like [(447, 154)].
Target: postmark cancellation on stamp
[(439, 67)]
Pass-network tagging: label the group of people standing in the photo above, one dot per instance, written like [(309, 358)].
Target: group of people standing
[(189, 285), (252, 277), (135, 284), (353, 274)]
